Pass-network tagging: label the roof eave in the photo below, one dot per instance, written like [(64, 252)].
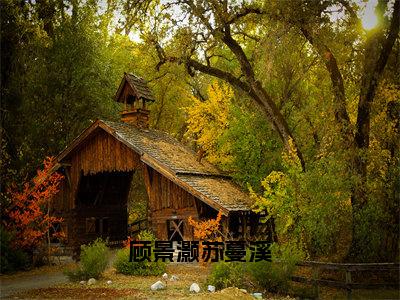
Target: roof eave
[(78, 140), (120, 88)]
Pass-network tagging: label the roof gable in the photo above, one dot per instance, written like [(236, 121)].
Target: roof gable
[(137, 87), (174, 161)]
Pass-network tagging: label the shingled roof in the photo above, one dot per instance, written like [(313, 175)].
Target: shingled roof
[(177, 163), (163, 148), (138, 85)]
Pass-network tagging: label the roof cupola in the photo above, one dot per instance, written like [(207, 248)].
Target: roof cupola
[(134, 93)]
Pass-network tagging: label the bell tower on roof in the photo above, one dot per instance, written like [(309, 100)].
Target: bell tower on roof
[(134, 93)]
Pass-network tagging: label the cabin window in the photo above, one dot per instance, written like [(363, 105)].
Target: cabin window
[(90, 225), (97, 226), (175, 229), (56, 230)]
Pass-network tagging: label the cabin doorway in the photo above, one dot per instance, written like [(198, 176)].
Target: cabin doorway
[(101, 206), (175, 229), (138, 205)]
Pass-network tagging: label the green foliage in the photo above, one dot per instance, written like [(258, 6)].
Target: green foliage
[(233, 136), (275, 276), (93, 261), (272, 276), (11, 259), (143, 268), (94, 258), (207, 121), (146, 235), (65, 94), (137, 199), (63, 79), (311, 209), (253, 146), (379, 216), (226, 274), (62, 62)]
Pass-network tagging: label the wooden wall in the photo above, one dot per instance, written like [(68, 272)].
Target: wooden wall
[(117, 224), (168, 201), (101, 152), (61, 202)]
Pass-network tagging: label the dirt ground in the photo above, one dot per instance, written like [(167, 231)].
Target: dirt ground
[(50, 283), (37, 278)]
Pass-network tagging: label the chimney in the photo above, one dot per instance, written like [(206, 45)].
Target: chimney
[(138, 117), (134, 93)]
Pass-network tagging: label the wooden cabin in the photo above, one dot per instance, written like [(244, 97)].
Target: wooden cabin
[(99, 166)]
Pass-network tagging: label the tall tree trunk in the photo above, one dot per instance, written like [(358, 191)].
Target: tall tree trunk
[(46, 11), (378, 49), (341, 115), (260, 95), (376, 56)]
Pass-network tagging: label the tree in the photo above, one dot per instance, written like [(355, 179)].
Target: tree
[(377, 48), (226, 40), (201, 35), (206, 230), (61, 76), (208, 120), (232, 136), (303, 74), (28, 211)]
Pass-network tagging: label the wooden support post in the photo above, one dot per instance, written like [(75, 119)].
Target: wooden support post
[(68, 176), (225, 226), (348, 284), (148, 180), (315, 276), (244, 217), (147, 176)]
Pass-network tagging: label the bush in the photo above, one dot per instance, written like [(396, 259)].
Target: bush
[(275, 276), (227, 274), (94, 261), (124, 266), (94, 258), (146, 235), (11, 259)]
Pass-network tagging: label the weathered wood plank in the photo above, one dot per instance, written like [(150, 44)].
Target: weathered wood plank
[(170, 175)]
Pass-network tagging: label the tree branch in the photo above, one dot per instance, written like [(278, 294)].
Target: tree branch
[(244, 12), (370, 80), (331, 65), (228, 77), (254, 38), (349, 9), (198, 12), (260, 95)]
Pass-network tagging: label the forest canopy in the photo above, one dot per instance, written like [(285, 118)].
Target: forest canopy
[(294, 98)]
